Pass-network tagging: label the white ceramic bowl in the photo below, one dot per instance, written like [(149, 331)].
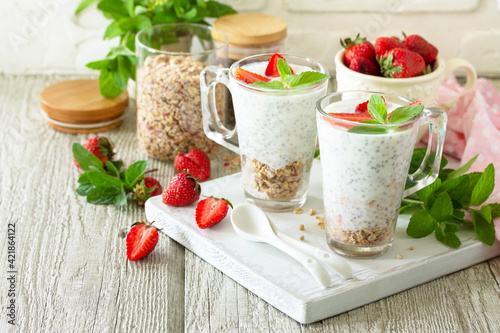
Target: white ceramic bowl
[(423, 88)]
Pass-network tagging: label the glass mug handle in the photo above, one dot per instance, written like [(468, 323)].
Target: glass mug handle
[(428, 170), (212, 125)]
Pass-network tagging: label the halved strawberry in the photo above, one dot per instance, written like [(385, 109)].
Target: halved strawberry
[(211, 211), (416, 103), (362, 107), (248, 77), (357, 117), (141, 240), (272, 66)]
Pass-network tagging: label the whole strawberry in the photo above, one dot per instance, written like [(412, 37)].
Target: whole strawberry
[(385, 44), (146, 188), (100, 147), (182, 190), (211, 211), (141, 240), (365, 66), (418, 44), (358, 47), (402, 63), (196, 162)]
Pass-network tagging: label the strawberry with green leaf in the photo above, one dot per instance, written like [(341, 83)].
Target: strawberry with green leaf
[(402, 63), (417, 43), (385, 44), (272, 67), (357, 48), (106, 184), (101, 147), (146, 188), (288, 79), (182, 190)]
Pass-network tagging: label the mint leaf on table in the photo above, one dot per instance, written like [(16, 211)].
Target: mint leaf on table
[(446, 234), (441, 207), (484, 186), (463, 169), (106, 185), (421, 224), (484, 227), (85, 158), (135, 172)]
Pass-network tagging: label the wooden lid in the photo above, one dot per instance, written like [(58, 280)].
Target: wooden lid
[(250, 29), (77, 106)]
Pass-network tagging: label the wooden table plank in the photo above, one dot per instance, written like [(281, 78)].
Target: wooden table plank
[(73, 275)]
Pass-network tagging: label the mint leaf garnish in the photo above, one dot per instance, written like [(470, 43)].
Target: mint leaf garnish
[(304, 79), (441, 206), (268, 85), (290, 81), (367, 130), (284, 69), (404, 113), (377, 108)]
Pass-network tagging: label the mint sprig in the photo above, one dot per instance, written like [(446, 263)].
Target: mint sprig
[(106, 185), (290, 81), (378, 110), (441, 208)]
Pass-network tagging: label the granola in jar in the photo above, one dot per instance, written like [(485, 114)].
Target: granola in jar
[(169, 119)]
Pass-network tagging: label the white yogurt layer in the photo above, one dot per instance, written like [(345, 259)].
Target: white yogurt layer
[(363, 175), (276, 128)]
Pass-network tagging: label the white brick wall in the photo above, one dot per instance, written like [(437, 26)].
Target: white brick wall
[(43, 35)]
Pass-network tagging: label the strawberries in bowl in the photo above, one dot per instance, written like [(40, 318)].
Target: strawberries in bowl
[(390, 56)]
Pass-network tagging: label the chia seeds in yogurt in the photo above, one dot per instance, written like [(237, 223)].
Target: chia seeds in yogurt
[(364, 176), (277, 136)]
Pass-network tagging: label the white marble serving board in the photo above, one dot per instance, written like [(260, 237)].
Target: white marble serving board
[(285, 283)]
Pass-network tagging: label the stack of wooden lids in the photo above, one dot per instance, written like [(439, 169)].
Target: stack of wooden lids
[(77, 106)]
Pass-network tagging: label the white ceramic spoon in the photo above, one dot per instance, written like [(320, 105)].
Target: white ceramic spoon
[(252, 224), (337, 263)]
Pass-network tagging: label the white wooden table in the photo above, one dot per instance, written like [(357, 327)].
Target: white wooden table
[(72, 275)]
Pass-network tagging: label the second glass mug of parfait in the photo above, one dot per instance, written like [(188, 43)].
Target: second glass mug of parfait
[(365, 170), (276, 130)]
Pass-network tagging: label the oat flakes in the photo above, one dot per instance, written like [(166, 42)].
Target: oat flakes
[(169, 118)]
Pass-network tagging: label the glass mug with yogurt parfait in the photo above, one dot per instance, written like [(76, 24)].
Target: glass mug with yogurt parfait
[(275, 128), (365, 170)]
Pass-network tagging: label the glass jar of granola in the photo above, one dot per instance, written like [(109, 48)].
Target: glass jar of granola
[(170, 60)]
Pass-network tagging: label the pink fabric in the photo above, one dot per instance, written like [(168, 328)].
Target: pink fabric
[(474, 128)]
